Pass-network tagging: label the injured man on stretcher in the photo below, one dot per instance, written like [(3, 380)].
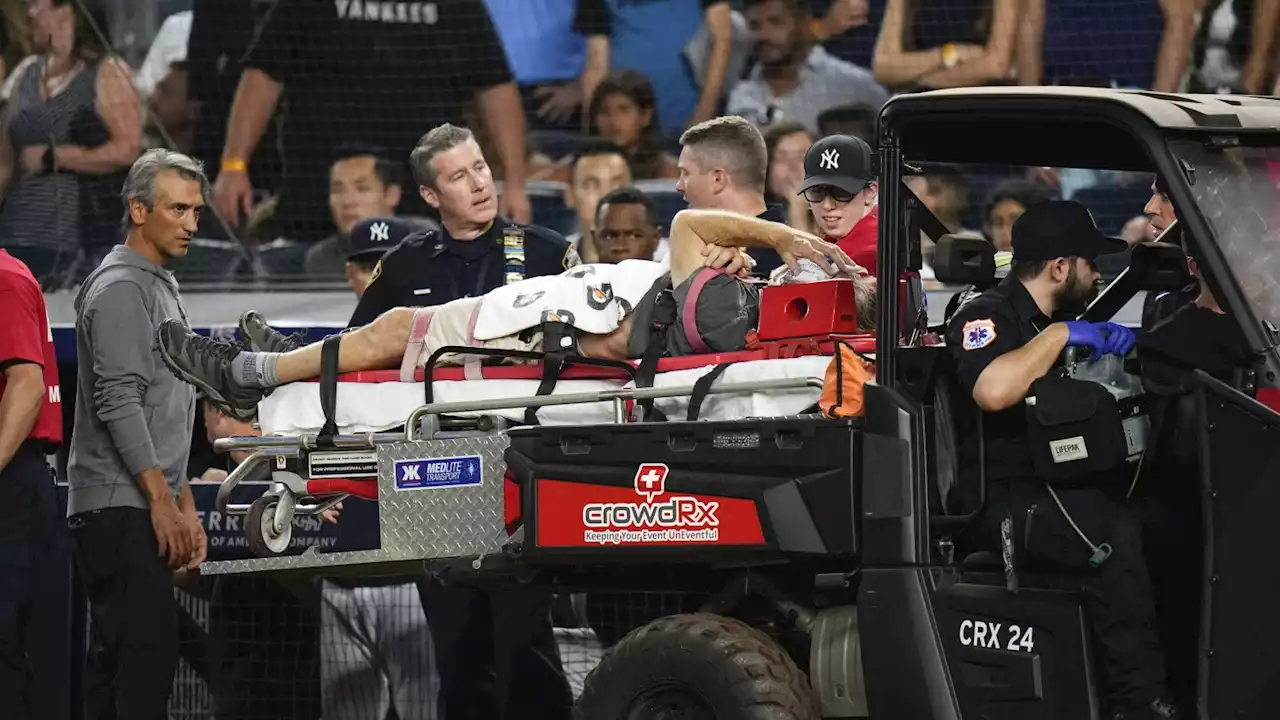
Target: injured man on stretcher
[(606, 312)]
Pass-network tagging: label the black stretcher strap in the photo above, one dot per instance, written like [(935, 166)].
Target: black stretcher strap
[(664, 314), (329, 389), (559, 345), (702, 388)]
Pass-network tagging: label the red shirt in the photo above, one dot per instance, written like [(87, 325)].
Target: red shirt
[(27, 338), (860, 243)]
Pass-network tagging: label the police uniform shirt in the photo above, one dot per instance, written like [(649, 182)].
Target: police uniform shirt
[(1000, 320), (431, 268)]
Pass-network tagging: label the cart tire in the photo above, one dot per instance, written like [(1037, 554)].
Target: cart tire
[(259, 528), (697, 667)]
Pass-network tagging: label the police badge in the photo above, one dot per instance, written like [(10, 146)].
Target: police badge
[(513, 254)]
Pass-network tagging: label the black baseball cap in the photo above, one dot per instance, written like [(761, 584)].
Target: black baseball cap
[(372, 238), (842, 161), (1058, 229)]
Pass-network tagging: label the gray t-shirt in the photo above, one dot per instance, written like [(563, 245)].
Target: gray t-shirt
[(727, 309)]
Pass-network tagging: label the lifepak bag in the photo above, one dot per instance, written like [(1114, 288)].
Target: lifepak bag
[(1076, 431)]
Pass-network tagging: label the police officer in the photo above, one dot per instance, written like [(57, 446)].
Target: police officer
[(1002, 342), (475, 251), (30, 429)]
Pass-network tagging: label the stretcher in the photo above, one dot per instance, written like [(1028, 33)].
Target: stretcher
[(361, 434)]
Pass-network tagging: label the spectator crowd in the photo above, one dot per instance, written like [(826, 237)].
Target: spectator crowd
[(304, 113)]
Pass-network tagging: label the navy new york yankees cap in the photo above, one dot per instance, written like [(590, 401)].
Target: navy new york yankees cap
[(841, 161), (370, 239)]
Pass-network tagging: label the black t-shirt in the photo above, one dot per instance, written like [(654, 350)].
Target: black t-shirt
[(1192, 338), (767, 259), (372, 72), (1000, 320), (431, 268), (592, 16)]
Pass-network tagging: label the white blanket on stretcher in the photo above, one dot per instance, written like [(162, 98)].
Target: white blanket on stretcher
[(375, 407), (593, 298)]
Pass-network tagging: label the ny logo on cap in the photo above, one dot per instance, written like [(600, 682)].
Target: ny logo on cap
[(379, 232), (830, 160)]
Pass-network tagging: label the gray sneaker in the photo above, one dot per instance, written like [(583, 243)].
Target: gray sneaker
[(206, 363), (258, 336)]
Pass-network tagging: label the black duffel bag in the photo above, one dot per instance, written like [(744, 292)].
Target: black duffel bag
[(1075, 430)]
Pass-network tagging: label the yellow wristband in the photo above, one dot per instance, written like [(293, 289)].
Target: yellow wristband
[(234, 164), (950, 56)]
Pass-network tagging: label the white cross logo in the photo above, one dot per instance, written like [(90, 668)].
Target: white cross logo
[(380, 232), (830, 160), (651, 480)]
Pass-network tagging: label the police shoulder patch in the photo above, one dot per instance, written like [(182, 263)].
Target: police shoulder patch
[(571, 257), (978, 334)]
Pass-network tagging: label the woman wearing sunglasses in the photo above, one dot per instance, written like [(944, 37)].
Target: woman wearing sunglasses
[(841, 189)]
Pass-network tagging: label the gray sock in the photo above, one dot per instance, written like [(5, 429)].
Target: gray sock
[(255, 370)]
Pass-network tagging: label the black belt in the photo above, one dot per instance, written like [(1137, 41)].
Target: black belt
[(38, 446)]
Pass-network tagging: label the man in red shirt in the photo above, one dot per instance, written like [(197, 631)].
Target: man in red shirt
[(842, 192), (30, 429)]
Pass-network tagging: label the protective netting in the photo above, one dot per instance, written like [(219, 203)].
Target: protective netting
[(331, 95)]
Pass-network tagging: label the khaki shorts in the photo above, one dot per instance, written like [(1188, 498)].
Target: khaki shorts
[(454, 323)]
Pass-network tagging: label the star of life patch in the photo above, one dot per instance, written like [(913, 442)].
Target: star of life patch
[(978, 334)]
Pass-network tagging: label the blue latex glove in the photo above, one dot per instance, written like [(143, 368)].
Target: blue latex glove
[(1102, 338)]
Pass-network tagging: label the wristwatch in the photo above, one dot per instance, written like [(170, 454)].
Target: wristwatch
[(950, 56)]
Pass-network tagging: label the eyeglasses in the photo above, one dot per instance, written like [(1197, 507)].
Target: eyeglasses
[(818, 193)]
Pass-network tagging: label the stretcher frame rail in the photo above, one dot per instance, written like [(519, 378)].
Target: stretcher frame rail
[(268, 448)]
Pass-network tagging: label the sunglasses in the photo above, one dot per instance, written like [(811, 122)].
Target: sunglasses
[(818, 193)]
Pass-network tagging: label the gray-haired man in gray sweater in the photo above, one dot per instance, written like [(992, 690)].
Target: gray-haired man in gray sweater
[(129, 505)]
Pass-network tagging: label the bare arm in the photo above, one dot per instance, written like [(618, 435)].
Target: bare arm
[(892, 65), (693, 230), (121, 113), (501, 110), (1005, 382), (720, 24), (255, 102), (1266, 14), (593, 71), (1175, 44), (19, 406), (996, 57), (1029, 54)]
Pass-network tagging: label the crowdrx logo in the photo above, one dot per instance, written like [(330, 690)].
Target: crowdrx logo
[(677, 519)]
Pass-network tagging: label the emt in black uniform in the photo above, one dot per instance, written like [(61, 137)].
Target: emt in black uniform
[(1002, 342), (479, 636)]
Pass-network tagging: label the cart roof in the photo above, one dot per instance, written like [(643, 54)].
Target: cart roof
[(1063, 126), (1166, 111)]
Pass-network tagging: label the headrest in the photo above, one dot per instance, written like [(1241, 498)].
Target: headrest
[(964, 258), (1159, 267)]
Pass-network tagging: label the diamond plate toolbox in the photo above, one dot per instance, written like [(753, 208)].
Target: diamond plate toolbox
[(442, 498)]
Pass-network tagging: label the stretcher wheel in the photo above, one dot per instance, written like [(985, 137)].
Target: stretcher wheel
[(260, 527)]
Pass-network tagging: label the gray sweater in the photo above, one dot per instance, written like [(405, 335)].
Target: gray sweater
[(131, 412)]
